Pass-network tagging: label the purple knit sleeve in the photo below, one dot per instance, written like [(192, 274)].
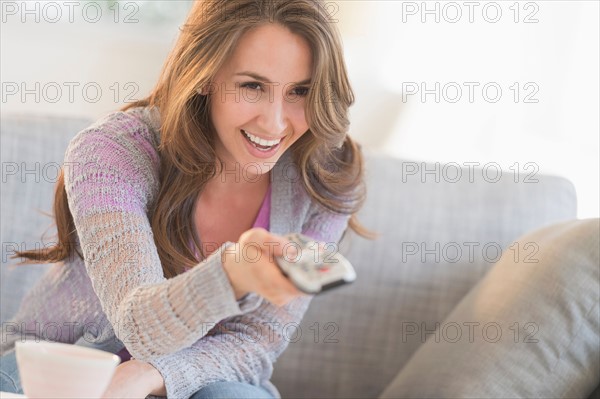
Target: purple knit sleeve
[(111, 184), (244, 348)]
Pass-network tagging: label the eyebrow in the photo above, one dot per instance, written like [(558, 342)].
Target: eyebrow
[(266, 80)]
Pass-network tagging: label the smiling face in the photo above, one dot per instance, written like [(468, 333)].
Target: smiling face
[(259, 96)]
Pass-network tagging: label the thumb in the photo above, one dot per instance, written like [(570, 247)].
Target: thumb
[(279, 246), (289, 248)]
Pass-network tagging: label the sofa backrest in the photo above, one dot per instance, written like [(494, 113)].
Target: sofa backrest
[(438, 238), (32, 150)]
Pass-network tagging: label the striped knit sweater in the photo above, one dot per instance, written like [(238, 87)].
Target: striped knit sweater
[(190, 327)]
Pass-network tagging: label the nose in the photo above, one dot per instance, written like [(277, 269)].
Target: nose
[(273, 118)]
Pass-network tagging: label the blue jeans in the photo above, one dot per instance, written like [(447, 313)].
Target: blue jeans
[(9, 374), (230, 390), (11, 382)]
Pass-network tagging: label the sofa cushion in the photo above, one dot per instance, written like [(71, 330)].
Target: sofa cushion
[(535, 329)]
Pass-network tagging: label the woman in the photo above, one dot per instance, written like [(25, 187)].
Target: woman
[(172, 210)]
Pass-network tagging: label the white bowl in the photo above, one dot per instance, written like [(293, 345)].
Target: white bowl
[(54, 370)]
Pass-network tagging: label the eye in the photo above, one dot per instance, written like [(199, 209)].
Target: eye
[(300, 91), (252, 85)]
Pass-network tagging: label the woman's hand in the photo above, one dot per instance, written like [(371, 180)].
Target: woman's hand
[(251, 267), (135, 379)]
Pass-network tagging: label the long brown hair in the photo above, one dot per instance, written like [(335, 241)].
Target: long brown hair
[(330, 162)]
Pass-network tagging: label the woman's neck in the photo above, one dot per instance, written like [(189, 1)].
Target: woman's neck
[(237, 184)]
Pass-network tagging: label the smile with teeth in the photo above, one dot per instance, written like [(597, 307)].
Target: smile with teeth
[(259, 143)]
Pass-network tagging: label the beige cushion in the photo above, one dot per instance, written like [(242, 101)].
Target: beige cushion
[(538, 326)]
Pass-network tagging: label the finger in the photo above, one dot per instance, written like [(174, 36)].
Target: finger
[(255, 234), (272, 244)]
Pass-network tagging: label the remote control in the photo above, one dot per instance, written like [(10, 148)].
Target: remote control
[(315, 269)]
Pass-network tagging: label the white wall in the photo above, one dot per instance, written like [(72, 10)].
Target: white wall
[(390, 50), (120, 59)]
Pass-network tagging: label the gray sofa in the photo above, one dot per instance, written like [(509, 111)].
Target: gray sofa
[(439, 239)]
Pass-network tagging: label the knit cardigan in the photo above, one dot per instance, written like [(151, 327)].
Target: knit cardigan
[(190, 327)]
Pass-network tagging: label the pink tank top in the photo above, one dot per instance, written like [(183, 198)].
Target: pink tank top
[(262, 220)]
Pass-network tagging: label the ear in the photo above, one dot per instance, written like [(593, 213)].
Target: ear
[(203, 91)]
